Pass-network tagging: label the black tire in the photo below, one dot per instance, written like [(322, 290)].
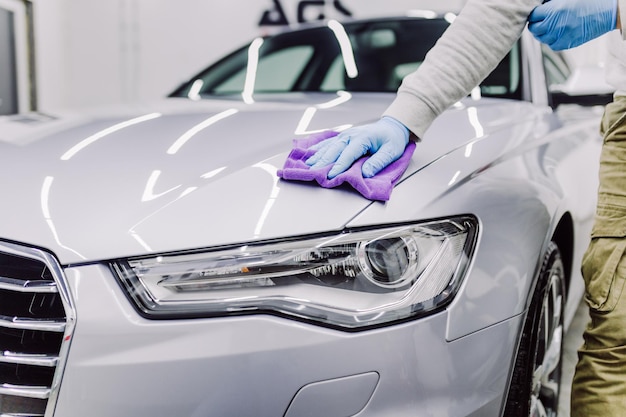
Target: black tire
[(536, 378)]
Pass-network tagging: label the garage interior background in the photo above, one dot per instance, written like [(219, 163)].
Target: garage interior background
[(60, 55)]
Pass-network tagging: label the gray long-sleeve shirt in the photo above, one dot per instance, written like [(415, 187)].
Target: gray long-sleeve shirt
[(480, 37), (469, 50)]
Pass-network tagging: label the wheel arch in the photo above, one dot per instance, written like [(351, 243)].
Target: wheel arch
[(563, 237)]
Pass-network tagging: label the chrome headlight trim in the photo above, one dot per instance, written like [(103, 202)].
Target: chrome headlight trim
[(353, 280)]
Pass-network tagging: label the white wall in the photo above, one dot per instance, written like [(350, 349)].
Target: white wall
[(100, 52), (92, 52)]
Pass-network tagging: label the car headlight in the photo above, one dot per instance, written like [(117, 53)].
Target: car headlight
[(352, 280)]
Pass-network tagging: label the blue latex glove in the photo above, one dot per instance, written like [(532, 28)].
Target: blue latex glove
[(564, 24), (384, 139)]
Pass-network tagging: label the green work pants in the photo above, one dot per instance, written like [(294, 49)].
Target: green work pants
[(599, 387)]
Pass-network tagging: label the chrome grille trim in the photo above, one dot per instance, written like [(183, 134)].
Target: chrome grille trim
[(28, 359), (23, 391), (53, 362), (21, 415), (32, 324), (28, 286)]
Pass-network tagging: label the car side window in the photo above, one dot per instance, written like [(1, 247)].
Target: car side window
[(335, 77), (276, 72), (378, 54), (505, 80)]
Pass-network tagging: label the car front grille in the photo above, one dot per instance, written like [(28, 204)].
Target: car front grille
[(36, 323)]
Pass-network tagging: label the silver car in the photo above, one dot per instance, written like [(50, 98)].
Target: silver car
[(152, 263)]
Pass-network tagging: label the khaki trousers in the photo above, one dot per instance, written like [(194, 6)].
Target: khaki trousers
[(599, 387)]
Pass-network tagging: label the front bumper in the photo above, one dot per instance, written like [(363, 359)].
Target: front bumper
[(120, 364)]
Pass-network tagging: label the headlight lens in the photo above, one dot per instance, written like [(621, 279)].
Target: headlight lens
[(353, 280)]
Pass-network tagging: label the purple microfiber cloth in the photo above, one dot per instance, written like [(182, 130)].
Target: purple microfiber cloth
[(378, 187)]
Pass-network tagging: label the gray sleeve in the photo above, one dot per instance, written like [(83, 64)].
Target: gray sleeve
[(474, 44)]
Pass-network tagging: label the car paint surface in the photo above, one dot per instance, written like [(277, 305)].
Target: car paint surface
[(131, 182)]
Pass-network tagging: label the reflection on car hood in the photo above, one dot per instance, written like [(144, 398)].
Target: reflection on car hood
[(186, 175)]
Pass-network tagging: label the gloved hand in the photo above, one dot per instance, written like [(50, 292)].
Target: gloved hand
[(564, 24), (384, 139)]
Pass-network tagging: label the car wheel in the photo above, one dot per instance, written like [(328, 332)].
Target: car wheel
[(536, 377)]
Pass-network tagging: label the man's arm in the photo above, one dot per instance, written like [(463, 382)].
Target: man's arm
[(480, 37), (474, 44)]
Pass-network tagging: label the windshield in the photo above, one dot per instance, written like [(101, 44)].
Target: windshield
[(372, 56)]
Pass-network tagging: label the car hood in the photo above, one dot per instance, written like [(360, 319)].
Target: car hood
[(180, 174)]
